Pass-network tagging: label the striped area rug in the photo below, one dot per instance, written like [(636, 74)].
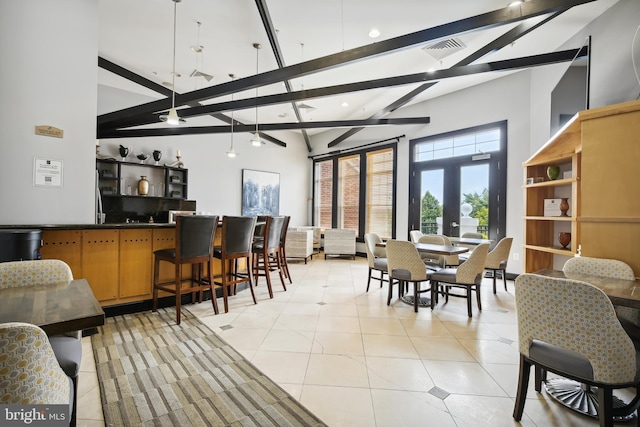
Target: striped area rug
[(153, 372)]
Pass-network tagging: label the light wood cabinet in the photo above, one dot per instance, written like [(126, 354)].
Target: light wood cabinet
[(100, 262), (601, 149), (135, 263), (65, 245)]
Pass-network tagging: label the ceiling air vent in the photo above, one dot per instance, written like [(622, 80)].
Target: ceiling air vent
[(444, 48)]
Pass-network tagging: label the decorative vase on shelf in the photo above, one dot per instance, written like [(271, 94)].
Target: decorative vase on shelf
[(553, 172), (143, 186), (564, 206), (564, 238), (124, 152), (157, 155)]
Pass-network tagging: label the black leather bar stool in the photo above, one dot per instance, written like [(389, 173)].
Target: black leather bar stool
[(194, 245)]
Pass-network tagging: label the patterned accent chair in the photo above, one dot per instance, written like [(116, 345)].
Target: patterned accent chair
[(602, 267), (67, 347), (376, 257), (14, 274), (497, 260), (467, 276), (29, 371), (554, 338), (406, 265)]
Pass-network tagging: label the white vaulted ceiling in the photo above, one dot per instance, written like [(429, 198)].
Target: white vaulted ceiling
[(138, 36)]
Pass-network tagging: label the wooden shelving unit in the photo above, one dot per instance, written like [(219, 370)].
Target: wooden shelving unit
[(600, 148)]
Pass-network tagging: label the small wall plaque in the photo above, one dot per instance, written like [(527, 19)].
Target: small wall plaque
[(52, 131)]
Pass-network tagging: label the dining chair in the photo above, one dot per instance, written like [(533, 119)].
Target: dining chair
[(469, 235), (283, 253), (67, 347), (376, 258), (236, 242), (194, 246), (266, 253), (29, 371), (497, 260), (414, 235), (432, 261), (615, 269), (405, 265), (467, 276), (552, 337)]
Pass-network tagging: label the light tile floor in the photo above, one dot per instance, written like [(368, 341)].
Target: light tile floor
[(354, 361)]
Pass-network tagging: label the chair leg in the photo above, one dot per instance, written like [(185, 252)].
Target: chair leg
[(253, 295), (523, 384), (605, 406), (477, 289), (156, 275), (178, 288), (416, 286), (540, 376), (265, 264), (494, 281), (469, 301), (504, 278), (214, 299), (280, 265), (369, 279), (381, 277), (391, 291)]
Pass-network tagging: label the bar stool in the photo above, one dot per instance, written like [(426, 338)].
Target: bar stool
[(266, 253), (194, 245), (237, 238), (283, 253)]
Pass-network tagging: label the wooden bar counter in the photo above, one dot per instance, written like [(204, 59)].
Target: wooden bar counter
[(116, 259)]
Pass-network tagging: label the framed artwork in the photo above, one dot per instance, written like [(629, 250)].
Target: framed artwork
[(260, 192)]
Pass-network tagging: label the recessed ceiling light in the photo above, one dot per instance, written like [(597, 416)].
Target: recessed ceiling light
[(374, 33), (516, 3), (345, 104), (167, 84)]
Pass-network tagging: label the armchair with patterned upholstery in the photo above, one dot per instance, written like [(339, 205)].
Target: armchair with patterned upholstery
[(29, 371), (67, 347), (564, 341), (616, 269)]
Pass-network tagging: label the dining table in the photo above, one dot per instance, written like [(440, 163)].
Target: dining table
[(432, 249), (56, 308), (580, 397), (469, 241)]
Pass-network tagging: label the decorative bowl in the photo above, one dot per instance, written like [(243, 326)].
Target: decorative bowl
[(142, 157)]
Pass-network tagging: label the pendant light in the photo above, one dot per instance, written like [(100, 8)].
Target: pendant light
[(172, 117), (232, 153), (255, 139)]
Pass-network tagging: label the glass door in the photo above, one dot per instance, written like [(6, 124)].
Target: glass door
[(474, 200)]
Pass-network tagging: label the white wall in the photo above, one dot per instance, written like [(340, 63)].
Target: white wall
[(49, 77)]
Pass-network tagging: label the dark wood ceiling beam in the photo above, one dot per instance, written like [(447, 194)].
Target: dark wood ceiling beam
[(437, 75), (277, 52), (502, 16), (142, 81), (506, 39), (198, 130)]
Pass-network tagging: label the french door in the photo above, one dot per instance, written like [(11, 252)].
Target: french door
[(458, 183)]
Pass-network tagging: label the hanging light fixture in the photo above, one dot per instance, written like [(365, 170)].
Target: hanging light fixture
[(172, 117), (255, 139), (232, 153)]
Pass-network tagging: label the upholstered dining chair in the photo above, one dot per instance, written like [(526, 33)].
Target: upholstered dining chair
[(405, 265), (497, 260), (376, 258), (414, 235), (469, 235), (194, 246), (29, 371), (236, 242), (432, 261), (66, 347), (564, 341), (615, 269), (450, 260), (467, 276), (266, 253)]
